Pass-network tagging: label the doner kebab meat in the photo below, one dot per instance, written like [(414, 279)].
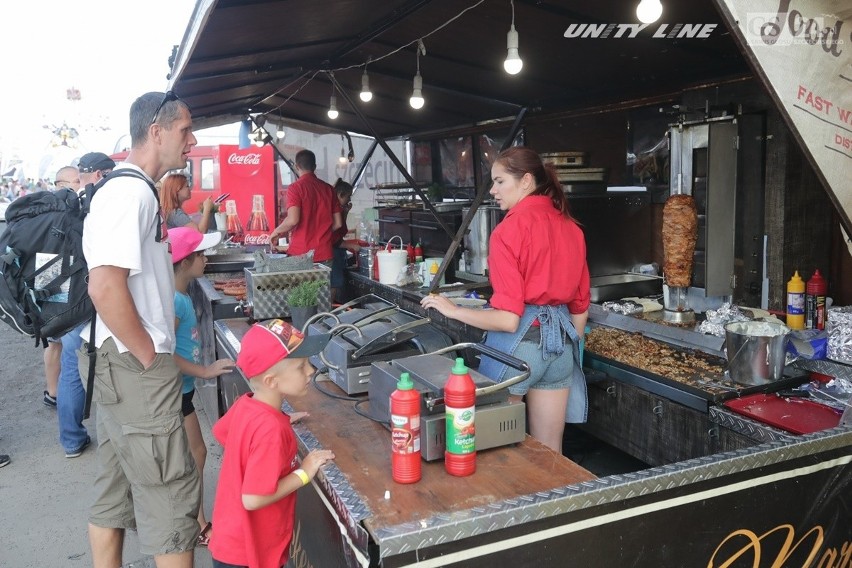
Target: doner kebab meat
[(680, 231)]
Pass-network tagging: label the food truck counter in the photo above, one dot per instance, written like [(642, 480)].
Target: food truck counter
[(527, 506)]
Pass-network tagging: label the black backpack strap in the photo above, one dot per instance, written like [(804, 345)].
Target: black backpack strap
[(93, 357), (89, 193)]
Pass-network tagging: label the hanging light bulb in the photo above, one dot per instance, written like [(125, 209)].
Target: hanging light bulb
[(649, 11), (366, 95), (342, 159), (280, 134), (332, 108), (513, 63), (416, 101)]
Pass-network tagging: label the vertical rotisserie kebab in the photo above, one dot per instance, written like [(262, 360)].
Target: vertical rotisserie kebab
[(680, 231)]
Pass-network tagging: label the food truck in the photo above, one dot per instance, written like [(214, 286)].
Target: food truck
[(740, 107)]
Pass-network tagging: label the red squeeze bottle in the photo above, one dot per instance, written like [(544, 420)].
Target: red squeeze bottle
[(460, 402), (410, 250), (405, 431), (815, 292)]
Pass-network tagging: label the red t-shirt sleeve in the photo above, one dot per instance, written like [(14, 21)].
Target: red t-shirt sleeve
[(294, 195), (581, 301)]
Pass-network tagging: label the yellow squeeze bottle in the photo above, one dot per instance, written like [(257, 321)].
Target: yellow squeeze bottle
[(796, 302)]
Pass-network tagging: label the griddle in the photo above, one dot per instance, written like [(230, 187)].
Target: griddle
[(697, 391)]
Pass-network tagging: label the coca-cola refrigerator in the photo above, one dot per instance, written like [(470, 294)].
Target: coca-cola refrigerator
[(249, 176)]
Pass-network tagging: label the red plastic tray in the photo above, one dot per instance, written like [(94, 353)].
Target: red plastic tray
[(793, 414)]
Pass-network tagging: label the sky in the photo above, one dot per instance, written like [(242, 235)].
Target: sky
[(112, 51)]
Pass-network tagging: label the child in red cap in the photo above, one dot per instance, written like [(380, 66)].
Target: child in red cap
[(255, 502), (188, 246)]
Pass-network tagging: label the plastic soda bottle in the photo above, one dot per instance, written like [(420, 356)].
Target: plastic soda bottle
[(460, 402), (405, 431), (817, 288), (796, 302)]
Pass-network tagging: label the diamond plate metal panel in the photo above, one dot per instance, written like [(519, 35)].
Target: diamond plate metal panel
[(746, 426), (826, 367), (336, 488), (267, 292), (616, 488)]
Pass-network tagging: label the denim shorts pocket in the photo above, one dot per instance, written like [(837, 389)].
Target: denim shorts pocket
[(157, 451), (105, 392)]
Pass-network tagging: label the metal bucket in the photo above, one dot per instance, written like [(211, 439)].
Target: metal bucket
[(756, 351)]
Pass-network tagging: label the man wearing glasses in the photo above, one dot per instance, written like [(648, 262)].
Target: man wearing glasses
[(147, 478), (71, 397), (67, 178)]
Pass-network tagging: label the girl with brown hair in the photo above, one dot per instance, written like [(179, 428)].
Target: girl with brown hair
[(538, 271)]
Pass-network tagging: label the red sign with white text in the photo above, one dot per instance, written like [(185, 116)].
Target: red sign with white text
[(249, 176)]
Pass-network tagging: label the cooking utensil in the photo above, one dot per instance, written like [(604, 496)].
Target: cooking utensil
[(221, 198)]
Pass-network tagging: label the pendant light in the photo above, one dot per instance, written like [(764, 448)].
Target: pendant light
[(513, 63), (332, 103), (366, 95), (417, 101), (342, 159), (649, 11)]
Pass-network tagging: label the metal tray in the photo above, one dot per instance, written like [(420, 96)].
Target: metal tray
[(617, 286)]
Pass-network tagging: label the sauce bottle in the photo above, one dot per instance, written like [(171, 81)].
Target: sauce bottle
[(405, 431), (410, 250), (815, 293), (418, 253), (460, 401), (796, 302)]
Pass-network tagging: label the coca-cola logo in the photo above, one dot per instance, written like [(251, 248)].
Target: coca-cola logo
[(262, 239), (252, 159)]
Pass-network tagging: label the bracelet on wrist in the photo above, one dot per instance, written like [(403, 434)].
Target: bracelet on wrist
[(301, 474)]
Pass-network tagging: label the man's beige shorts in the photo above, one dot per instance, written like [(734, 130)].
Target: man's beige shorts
[(147, 477)]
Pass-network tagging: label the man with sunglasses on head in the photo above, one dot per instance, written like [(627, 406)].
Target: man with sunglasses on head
[(147, 478)]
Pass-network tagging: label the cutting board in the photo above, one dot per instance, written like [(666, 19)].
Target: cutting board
[(793, 414)]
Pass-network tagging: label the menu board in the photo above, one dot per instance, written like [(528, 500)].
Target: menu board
[(802, 50)]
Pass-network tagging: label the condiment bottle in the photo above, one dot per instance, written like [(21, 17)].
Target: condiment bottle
[(410, 250), (405, 431), (796, 302), (815, 293), (418, 253), (460, 402)]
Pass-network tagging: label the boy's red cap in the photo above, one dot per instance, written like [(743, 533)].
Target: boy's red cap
[(265, 344)]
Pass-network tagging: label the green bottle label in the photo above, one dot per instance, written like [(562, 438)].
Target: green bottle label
[(461, 433)]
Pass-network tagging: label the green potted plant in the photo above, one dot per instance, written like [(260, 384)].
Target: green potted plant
[(303, 300)]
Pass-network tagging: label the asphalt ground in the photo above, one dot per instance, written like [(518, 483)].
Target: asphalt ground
[(44, 496)]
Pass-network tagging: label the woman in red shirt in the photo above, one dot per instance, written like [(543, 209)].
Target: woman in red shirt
[(537, 265)]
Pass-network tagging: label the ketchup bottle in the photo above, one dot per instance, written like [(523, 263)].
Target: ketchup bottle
[(405, 431), (460, 401), (410, 250), (418, 253), (815, 293)]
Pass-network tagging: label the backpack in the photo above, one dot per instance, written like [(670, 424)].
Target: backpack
[(43, 274)]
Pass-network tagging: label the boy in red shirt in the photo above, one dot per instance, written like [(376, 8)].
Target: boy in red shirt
[(255, 502)]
